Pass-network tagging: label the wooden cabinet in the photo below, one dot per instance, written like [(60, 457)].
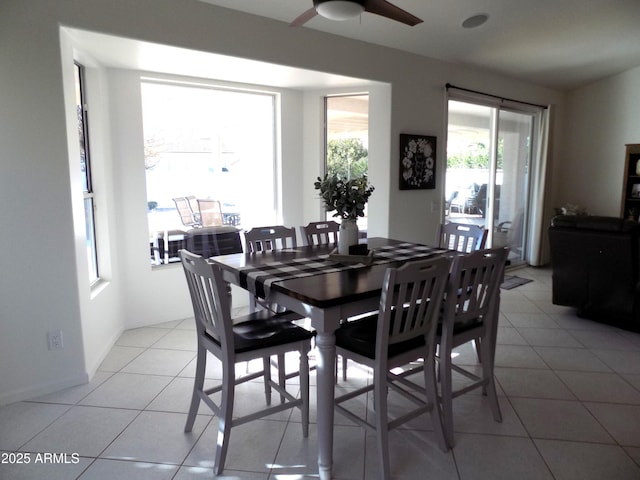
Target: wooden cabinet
[(631, 185)]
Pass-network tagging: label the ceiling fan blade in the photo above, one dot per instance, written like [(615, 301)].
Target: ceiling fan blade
[(386, 9), (304, 18)]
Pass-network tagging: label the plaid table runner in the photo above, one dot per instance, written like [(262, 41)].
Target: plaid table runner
[(258, 279)]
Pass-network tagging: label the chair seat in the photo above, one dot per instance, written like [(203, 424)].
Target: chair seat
[(359, 336), (285, 316), (263, 329)]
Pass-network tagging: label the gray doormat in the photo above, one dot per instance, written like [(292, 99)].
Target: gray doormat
[(512, 281)]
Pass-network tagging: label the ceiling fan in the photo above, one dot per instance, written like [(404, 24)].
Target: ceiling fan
[(345, 9)]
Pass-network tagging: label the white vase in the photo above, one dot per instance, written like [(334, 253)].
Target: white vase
[(348, 235)]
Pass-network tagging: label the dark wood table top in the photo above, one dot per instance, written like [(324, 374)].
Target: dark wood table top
[(323, 290)]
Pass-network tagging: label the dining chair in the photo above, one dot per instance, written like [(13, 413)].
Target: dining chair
[(210, 212), (470, 314), (233, 340), (266, 239), (321, 233), (324, 233), (462, 237), (401, 332)]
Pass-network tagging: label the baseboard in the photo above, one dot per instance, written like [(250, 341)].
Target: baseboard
[(42, 389), (108, 346)]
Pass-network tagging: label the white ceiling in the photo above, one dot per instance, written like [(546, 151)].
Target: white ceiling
[(557, 43)]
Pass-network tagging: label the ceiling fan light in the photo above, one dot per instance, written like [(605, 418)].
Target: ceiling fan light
[(339, 9)]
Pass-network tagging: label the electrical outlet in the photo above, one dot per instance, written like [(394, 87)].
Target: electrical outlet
[(54, 338)]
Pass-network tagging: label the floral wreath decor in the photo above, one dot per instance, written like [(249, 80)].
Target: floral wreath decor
[(417, 162)]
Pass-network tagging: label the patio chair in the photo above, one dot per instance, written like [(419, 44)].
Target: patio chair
[(210, 212), (189, 216)]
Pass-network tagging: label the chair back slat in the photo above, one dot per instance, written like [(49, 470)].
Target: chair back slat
[(321, 233), (265, 239), (210, 299), (410, 301), (462, 237)]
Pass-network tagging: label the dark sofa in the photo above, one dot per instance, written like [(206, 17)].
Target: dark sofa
[(595, 263)]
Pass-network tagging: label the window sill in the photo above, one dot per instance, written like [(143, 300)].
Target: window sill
[(98, 287)]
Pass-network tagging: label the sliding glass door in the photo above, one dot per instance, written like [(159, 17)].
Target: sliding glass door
[(489, 152)]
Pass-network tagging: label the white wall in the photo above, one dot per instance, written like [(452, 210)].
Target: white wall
[(100, 305), (41, 277), (149, 295), (604, 116)]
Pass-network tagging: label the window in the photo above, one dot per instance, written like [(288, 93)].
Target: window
[(85, 168), (347, 138), (213, 145)]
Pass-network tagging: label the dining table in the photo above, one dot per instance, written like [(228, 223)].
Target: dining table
[(315, 283)]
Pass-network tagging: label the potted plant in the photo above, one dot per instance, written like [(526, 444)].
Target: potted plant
[(348, 199)]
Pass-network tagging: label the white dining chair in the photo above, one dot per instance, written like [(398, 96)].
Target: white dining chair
[(269, 238), (470, 314), (321, 233), (462, 237), (402, 332), (264, 239), (234, 340)]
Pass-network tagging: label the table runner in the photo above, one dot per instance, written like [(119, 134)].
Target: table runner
[(258, 279)]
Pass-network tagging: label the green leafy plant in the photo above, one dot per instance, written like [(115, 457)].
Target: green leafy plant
[(476, 156), (347, 158), (346, 197)]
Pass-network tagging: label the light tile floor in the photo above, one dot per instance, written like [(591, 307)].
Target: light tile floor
[(569, 392)]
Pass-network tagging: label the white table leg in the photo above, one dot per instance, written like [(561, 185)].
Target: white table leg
[(325, 378)]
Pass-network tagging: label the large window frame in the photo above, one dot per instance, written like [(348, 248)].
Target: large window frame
[(347, 122), (216, 167), (88, 193)]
